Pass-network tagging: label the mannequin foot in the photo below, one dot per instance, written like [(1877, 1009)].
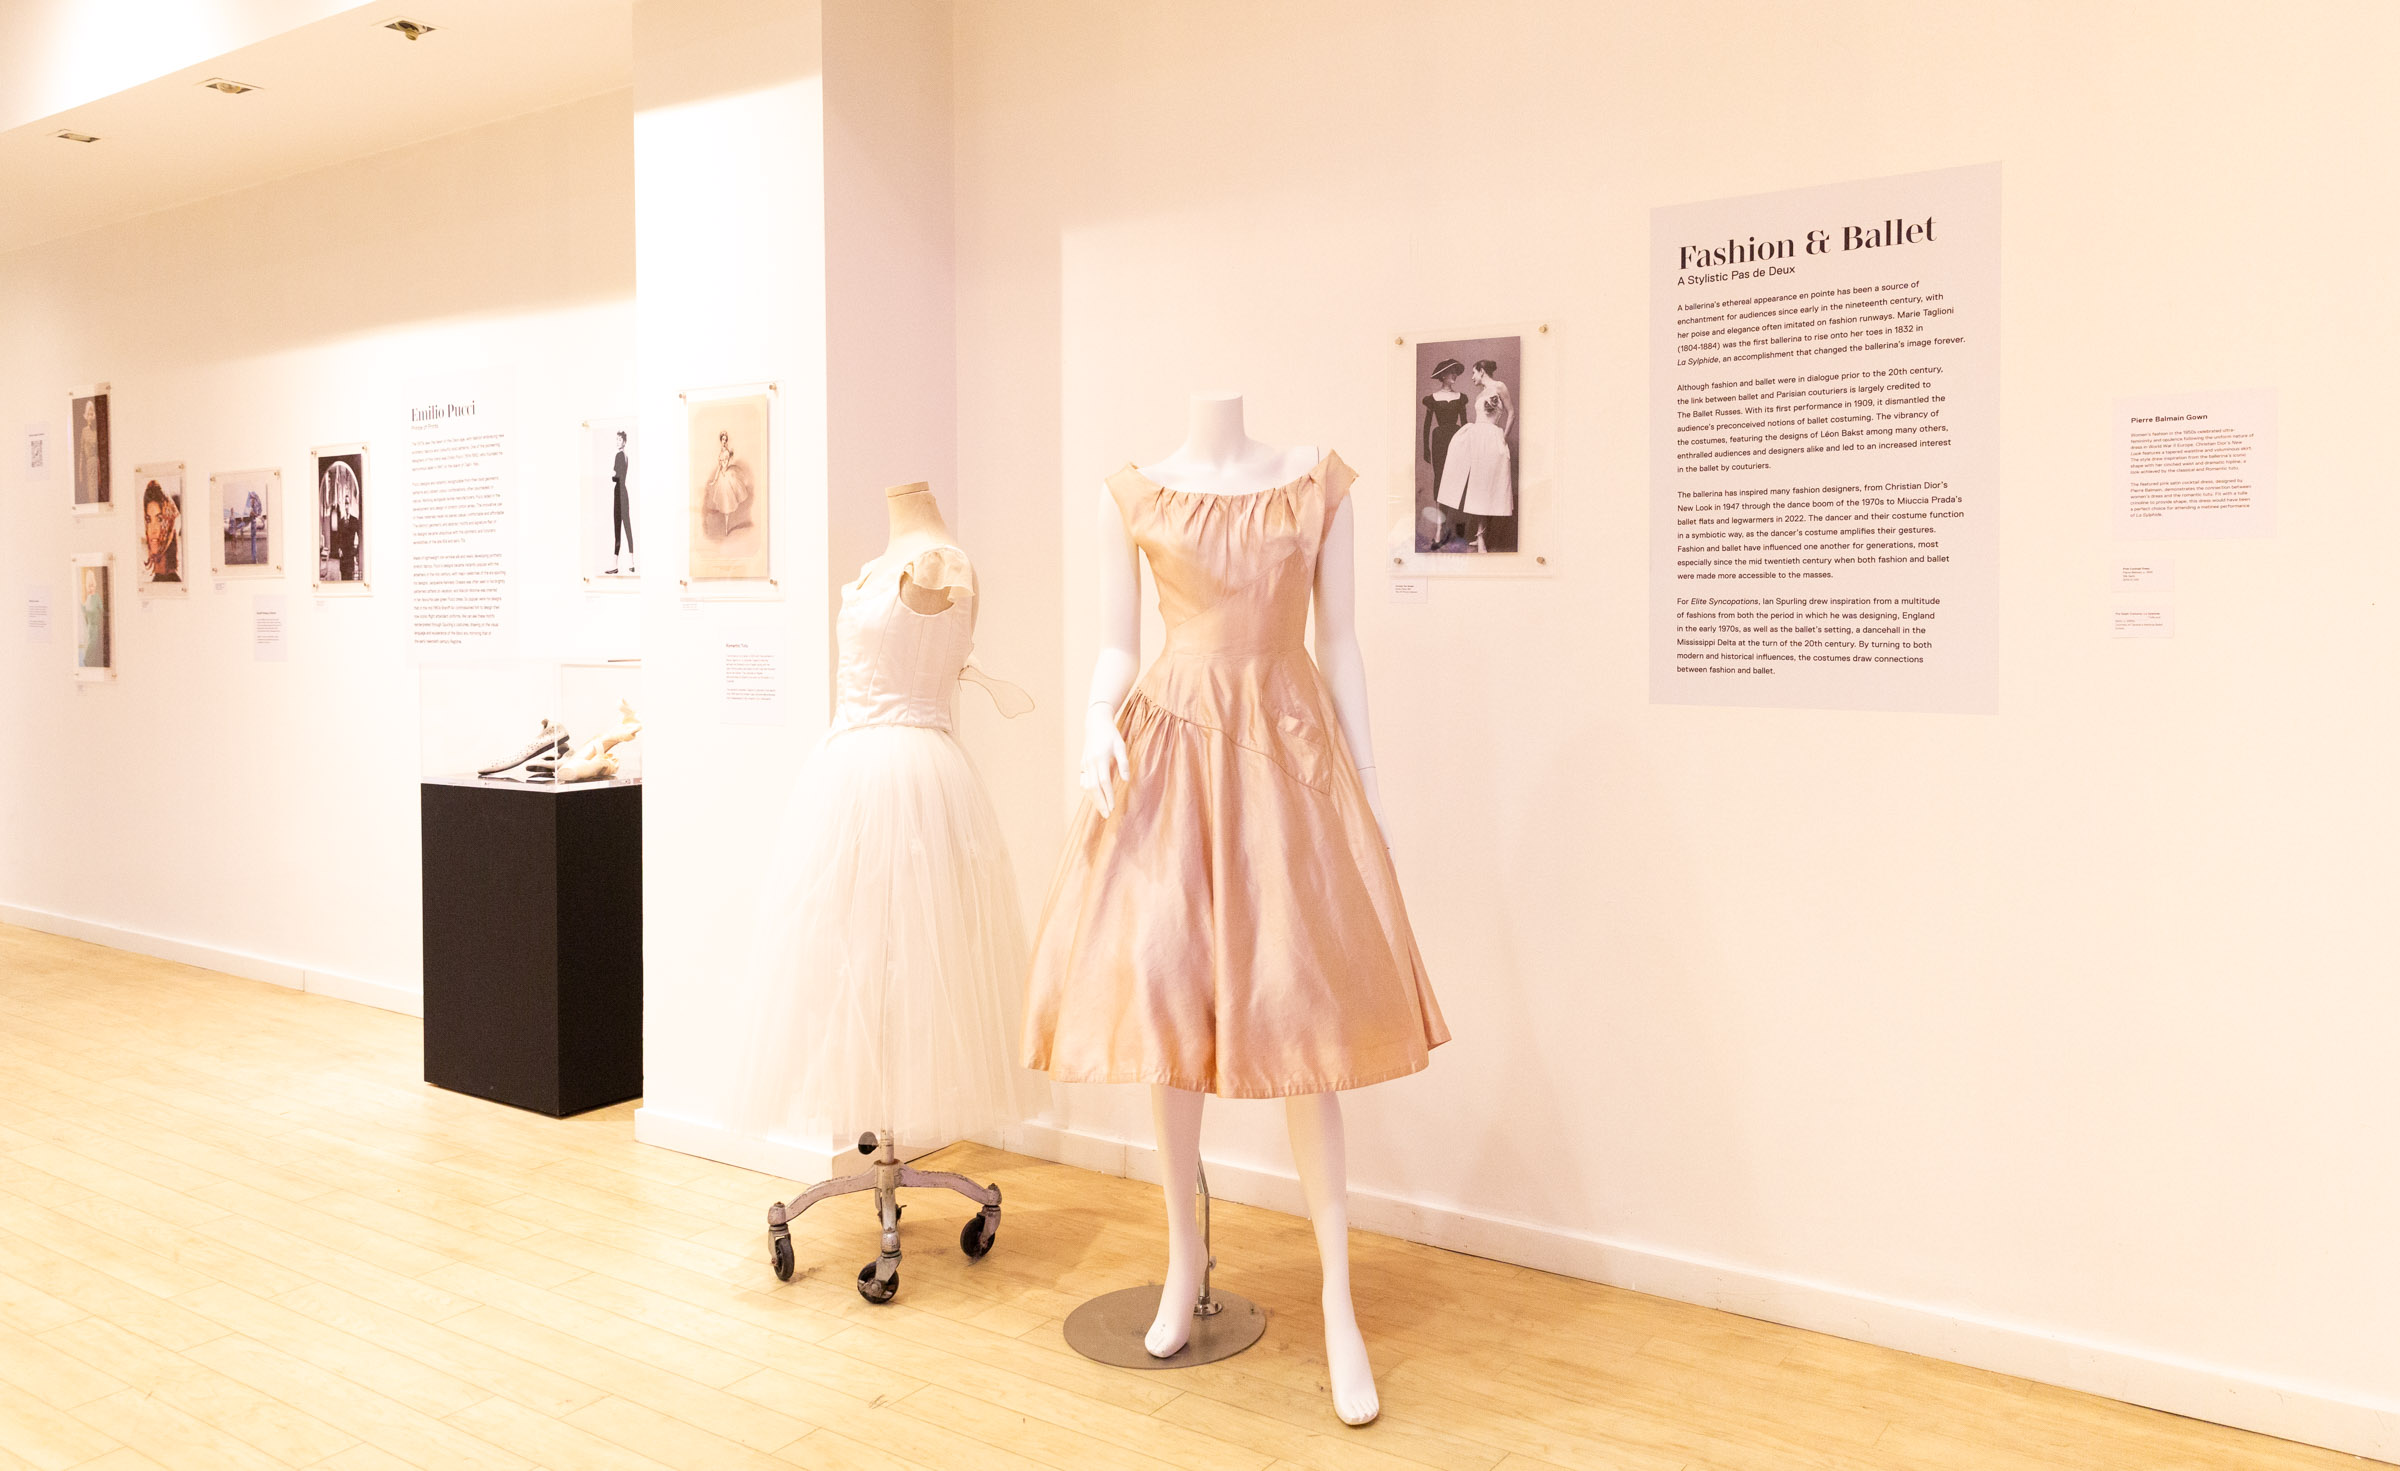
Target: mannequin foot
[(1172, 1328), (1346, 1367)]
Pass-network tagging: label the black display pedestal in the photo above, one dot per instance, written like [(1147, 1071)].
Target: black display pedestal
[(533, 941)]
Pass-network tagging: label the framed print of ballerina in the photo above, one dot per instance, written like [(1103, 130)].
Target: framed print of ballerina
[(729, 485)]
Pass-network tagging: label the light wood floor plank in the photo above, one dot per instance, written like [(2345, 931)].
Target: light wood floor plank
[(237, 1230)]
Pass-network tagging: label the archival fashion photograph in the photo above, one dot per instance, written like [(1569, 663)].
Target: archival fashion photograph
[(1466, 445), (161, 500), (246, 511), (88, 414), (342, 517), (610, 554)]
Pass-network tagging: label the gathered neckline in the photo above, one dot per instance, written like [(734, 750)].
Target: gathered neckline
[(1209, 495)]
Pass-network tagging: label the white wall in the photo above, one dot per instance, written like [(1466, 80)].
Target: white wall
[(2056, 1040), (263, 817), (729, 221)]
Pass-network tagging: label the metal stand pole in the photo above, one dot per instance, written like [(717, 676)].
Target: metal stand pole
[(1111, 1327)]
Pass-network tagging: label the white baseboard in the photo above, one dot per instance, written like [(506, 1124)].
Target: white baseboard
[(2291, 1411), (211, 957), (784, 1160)]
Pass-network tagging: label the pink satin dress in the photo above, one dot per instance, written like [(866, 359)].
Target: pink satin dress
[(1235, 925)]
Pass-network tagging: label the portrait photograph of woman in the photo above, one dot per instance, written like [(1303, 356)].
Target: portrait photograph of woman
[(87, 433), (161, 500), (727, 481), (95, 653), (1467, 445)]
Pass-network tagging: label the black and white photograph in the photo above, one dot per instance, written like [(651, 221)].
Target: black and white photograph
[(246, 511), (341, 483), (87, 413), (95, 635), (1466, 444), (161, 499), (611, 552), (728, 479)]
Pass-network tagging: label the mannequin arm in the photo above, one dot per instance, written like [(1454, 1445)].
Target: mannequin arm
[(1104, 760), (1345, 669)]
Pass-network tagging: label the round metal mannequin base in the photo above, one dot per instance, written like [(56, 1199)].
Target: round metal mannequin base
[(1110, 1328)]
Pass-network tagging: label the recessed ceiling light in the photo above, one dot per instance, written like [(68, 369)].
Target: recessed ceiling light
[(413, 30), (74, 137), (228, 86)]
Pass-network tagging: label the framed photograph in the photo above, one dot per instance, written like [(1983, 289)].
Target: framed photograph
[(87, 432), (607, 509), (729, 478), (245, 509), (1479, 424), (160, 495), (339, 473), (1467, 438), (95, 618)]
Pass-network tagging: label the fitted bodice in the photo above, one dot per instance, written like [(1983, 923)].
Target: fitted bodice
[(899, 666), (1234, 575)]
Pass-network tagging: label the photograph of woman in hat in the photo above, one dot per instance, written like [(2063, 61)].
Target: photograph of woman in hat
[(1467, 436), (1441, 414)]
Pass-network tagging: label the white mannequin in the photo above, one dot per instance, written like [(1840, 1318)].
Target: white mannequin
[(1220, 458)]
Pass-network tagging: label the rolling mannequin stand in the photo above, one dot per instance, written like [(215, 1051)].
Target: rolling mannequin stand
[(879, 1280)]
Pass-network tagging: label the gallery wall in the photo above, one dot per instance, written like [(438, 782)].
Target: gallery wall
[(262, 817), (2052, 1040)]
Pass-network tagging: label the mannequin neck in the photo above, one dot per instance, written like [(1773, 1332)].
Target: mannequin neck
[(1218, 456), (1217, 436), (916, 516)]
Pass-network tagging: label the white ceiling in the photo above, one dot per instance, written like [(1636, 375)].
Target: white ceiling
[(336, 89)]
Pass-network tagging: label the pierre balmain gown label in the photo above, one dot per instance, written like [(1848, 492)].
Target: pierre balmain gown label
[(1235, 925)]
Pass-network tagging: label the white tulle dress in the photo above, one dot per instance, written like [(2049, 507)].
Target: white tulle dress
[(888, 971)]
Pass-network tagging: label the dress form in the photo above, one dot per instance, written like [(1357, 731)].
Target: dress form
[(916, 527), (1218, 457)]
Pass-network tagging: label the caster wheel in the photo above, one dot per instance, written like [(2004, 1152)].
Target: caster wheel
[(783, 1258), (877, 1291), (976, 1237)]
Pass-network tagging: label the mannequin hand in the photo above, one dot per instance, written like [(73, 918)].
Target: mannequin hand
[(1104, 760), (1366, 778)]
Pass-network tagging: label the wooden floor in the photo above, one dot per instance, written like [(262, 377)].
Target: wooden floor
[(236, 1231)]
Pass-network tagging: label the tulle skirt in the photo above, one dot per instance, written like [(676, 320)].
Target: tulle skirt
[(888, 970), (1475, 478)]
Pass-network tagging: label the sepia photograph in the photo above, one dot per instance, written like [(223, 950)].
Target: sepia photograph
[(610, 558), (95, 654), (728, 478), (87, 412), (1467, 445), (341, 481), (161, 500), (246, 507)]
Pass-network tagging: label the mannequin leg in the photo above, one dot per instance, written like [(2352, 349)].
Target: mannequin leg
[(1315, 1121), (1177, 1115)]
